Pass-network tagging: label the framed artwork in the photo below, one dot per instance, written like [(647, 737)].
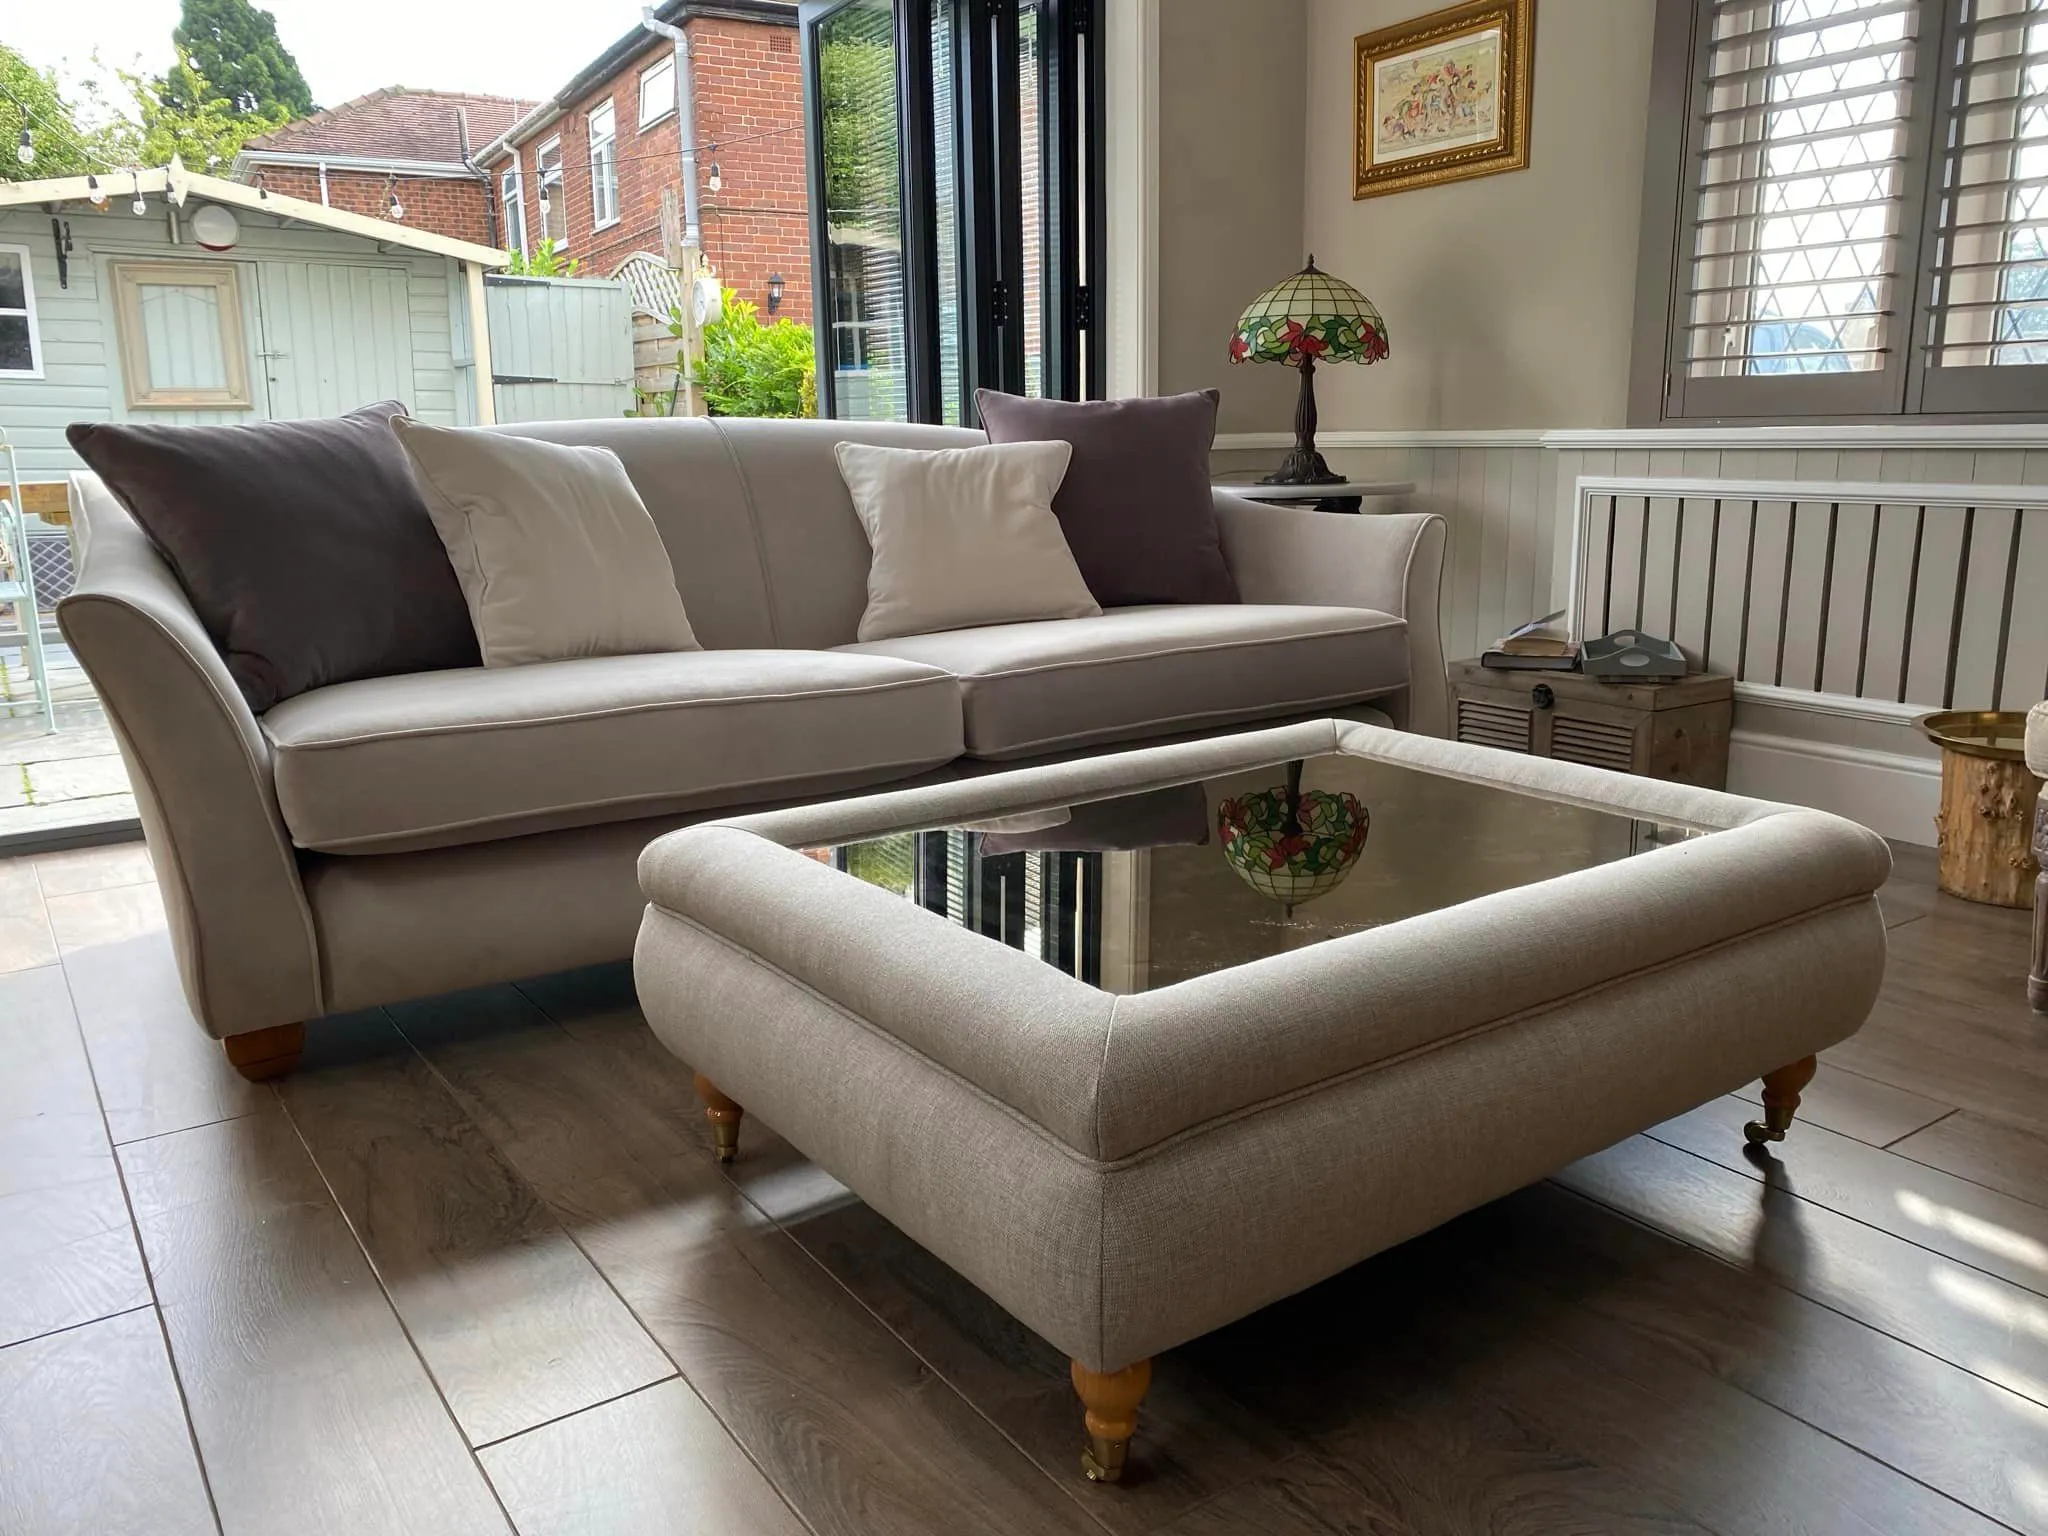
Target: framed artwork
[(1443, 97)]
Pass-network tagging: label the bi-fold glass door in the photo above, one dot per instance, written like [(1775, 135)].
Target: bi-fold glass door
[(954, 151)]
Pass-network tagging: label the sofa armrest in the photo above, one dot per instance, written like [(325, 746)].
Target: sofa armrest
[(201, 771), (1392, 562)]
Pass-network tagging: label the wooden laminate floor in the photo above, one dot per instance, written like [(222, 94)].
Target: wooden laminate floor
[(472, 1269)]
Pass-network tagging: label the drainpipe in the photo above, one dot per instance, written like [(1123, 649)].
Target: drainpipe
[(483, 176), (323, 183), (686, 122)]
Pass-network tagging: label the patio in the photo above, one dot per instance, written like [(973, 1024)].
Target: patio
[(52, 783)]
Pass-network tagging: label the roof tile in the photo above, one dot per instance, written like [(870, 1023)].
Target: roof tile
[(395, 123)]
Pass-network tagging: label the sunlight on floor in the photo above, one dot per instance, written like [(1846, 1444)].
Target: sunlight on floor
[(1975, 1230)]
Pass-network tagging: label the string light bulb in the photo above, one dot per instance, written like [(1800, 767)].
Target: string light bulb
[(140, 206), (25, 150), (717, 181), (397, 208), (94, 192)]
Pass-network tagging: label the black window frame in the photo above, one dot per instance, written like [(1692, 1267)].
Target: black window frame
[(1909, 387), (987, 154)]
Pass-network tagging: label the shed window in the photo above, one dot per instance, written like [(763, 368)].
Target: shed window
[(554, 213), (21, 349), (657, 91), (180, 330), (604, 167)]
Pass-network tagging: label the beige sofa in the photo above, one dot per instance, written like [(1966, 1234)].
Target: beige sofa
[(397, 837)]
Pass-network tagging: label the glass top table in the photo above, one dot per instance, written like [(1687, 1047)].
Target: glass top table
[(1139, 891)]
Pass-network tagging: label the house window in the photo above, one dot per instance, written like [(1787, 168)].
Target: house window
[(512, 200), (554, 213), (21, 349), (604, 167), (179, 325), (657, 91), (1860, 219)]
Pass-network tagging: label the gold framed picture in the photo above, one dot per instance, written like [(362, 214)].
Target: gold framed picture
[(1443, 97)]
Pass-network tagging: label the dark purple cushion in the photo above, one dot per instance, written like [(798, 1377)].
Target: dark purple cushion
[(1136, 506), (304, 546)]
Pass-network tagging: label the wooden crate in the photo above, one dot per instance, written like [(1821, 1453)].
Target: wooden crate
[(1676, 730)]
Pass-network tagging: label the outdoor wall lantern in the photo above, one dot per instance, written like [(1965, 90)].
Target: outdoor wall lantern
[(774, 292)]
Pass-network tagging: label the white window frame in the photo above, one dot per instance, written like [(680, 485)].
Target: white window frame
[(512, 206), (553, 184), (127, 279), (666, 67), (604, 165), (28, 312)]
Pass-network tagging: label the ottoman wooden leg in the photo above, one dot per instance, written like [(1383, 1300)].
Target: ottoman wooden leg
[(724, 1116), (1111, 1398), (262, 1054), (1781, 1099)]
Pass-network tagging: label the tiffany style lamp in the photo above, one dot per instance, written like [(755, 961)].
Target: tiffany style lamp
[(1302, 320)]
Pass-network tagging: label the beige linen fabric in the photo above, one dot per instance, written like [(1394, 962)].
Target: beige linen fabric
[(963, 536), (556, 554), (1134, 672), (2037, 740)]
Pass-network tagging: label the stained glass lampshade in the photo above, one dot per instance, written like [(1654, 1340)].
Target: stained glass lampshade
[(1302, 320)]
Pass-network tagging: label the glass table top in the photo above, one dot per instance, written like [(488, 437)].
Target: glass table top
[(1144, 890)]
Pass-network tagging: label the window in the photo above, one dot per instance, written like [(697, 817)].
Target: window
[(1860, 225), (179, 325), (554, 213), (21, 349), (657, 91), (512, 199), (604, 167)]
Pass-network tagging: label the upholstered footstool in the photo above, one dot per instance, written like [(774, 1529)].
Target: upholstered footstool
[(1141, 1044)]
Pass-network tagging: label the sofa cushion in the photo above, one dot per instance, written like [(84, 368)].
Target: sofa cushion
[(442, 758), (2037, 740), (1137, 672)]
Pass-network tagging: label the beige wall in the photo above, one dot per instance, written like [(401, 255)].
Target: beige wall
[(1230, 192), (1507, 298)]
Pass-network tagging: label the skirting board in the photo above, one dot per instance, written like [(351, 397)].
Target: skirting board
[(1892, 794)]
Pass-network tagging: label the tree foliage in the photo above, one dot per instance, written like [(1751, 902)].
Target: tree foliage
[(63, 146), (857, 100), (751, 369), (184, 113), (235, 47)]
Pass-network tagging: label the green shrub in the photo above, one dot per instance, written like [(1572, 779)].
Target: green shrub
[(545, 261), (751, 369)]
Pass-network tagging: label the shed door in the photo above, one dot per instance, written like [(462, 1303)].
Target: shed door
[(333, 337)]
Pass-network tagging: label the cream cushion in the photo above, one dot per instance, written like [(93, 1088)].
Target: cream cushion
[(962, 536), (1156, 671), (438, 758), (555, 552), (2037, 740)]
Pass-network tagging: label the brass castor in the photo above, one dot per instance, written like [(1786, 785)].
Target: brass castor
[(1111, 1399), (724, 1116), (1781, 1101)]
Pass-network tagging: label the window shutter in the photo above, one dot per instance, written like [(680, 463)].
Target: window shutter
[(1802, 177), (1988, 288)]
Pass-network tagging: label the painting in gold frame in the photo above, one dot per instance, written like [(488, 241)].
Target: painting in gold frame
[(1443, 97)]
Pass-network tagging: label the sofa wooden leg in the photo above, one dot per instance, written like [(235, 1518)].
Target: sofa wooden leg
[(263, 1054), (724, 1116), (1111, 1399), (1781, 1100)]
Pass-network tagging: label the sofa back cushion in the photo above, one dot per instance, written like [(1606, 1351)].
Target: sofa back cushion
[(761, 530)]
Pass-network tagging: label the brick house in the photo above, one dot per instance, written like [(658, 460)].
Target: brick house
[(414, 146), (607, 145)]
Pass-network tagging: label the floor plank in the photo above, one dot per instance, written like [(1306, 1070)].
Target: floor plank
[(77, 870), (25, 937), (853, 1430), (510, 1317), (96, 1442), (1973, 1225), (1302, 1495), (157, 1070), (2003, 1157), (655, 1461), (312, 1412), (1861, 1107), (67, 1249)]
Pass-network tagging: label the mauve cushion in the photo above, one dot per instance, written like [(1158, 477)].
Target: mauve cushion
[(304, 545), (1136, 505)]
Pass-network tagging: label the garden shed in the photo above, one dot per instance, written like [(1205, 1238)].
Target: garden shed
[(170, 296)]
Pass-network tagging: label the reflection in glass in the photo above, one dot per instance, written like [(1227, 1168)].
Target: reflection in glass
[(863, 211), (946, 204), (1031, 171)]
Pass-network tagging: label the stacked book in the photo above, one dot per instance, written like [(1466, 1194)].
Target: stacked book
[(1541, 645)]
